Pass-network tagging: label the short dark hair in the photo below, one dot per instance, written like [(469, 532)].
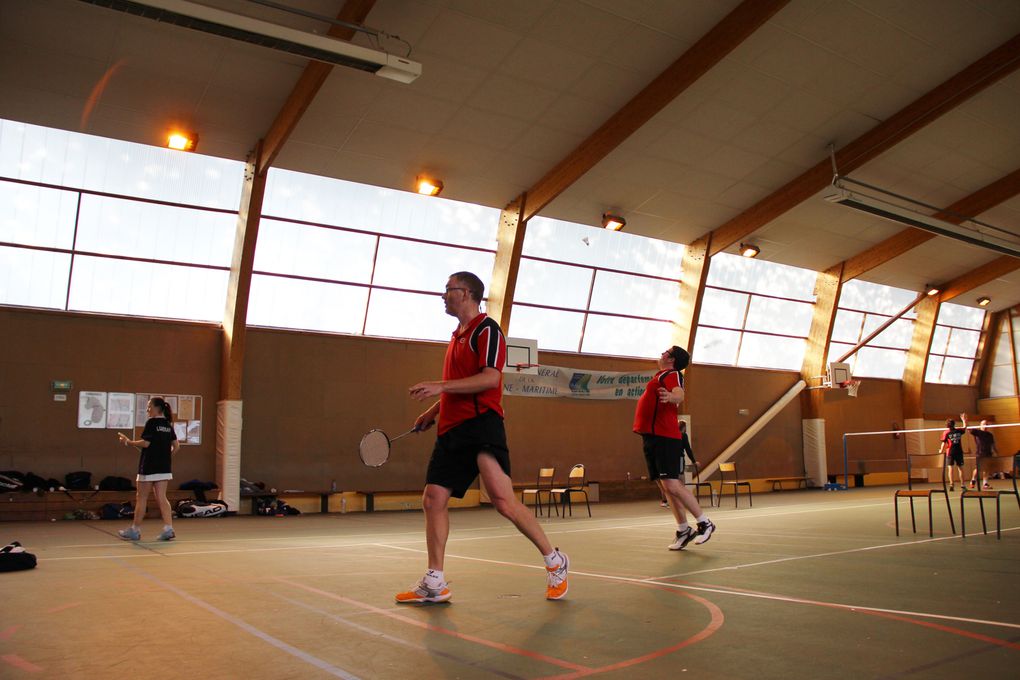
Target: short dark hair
[(681, 358), (474, 284), (950, 423)]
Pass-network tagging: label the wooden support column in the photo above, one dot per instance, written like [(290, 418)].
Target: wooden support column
[(827, 289), (510, 243), (693, 274), (982, 373), (917, 358)]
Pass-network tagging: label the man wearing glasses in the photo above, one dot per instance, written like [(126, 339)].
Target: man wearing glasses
[(471, 440), (656, 421)]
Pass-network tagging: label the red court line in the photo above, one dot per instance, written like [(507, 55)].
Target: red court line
[(6, 633), (70, 605), (439, 629), (23, 664), (863, 610), (714, 625)]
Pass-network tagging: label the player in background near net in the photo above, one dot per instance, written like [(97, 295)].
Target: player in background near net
[(471, 440), (952, 446), (984, 442), (656, 421)]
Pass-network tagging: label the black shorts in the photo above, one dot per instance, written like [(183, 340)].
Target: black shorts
[(955, 457), (664, 457), (454, 462)]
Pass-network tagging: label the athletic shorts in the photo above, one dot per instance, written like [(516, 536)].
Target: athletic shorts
[(155, 477), (955, 457), (454, 462), (664, 457)]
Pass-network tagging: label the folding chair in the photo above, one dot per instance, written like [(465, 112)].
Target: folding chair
[(736, 483), (697, 484), (544, 485), (989, 465), (575, 484), (917, 462)]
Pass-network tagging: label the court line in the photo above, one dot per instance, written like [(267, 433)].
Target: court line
[(245, 626), (503, 647), (21, 663), (723, 591), (394, 639)]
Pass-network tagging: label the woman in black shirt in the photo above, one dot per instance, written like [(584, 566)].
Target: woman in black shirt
[(157, 446)]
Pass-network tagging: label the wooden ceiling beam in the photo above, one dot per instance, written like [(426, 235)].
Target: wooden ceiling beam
[(973, 205), (308, 85), (979, 276), (987, 70), (715, 45)]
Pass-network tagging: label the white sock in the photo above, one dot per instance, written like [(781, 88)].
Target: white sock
[(703, 518), (553, 559), (434, 577), (683, 526), (167, 527)]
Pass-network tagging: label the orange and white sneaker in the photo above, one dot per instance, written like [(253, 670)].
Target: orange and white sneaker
[(556, 588), (421, 593)]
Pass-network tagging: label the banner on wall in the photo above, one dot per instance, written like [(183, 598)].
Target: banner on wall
[(574, 383)]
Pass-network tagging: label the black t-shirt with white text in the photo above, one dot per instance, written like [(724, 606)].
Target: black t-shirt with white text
[(155, 458)]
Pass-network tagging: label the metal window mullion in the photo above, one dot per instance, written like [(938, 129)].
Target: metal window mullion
[(371, 284), (70, 265), (587, 308)]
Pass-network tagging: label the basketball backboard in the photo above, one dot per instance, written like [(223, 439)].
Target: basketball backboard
[(521, 356)]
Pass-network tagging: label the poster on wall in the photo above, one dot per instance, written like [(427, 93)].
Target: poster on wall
[(120, 411), (141, 403), (91, 410), (194, 432)]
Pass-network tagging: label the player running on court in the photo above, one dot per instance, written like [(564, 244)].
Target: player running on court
[(471, 440), (656, 421)]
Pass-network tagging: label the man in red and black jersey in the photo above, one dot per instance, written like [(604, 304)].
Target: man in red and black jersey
[(656, 421), (471, 440)]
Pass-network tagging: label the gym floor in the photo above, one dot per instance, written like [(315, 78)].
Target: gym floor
[(806, 584)]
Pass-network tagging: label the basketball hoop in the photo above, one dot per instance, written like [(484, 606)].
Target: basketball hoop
[(522, 367), (851, 387)]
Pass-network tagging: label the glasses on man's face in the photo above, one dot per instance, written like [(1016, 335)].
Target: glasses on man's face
[(455, 288)]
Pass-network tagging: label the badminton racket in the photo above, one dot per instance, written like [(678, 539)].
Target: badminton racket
[(375, 447)]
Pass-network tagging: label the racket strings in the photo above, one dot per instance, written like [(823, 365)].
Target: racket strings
[(375, 448)]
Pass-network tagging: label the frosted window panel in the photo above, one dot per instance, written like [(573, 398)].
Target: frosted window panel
[(33, 278), (958, 315), (957, 371), (556, 285), (597, 247), (301, 196), (101, 164), (716, 346), (554, 330), (422, 267), (939, 340), (36, 215), (634, 295), (963, 343), (875, 297), (778, 316), (723, 308), (769, 351), (934, 369), (880, 363), (838, 349), (286, 248), (626, 337), (1002, 382), (1002, 353), (1016, 346), (309, 305), (393, 314), (758, 276), (145, 230), (144, 289), (898, 334), (847, 326)]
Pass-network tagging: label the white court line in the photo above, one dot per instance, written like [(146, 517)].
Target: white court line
[(247, 627), (720, 591)]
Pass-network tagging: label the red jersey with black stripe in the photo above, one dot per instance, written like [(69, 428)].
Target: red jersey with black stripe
[(481, 345), (653, 416)]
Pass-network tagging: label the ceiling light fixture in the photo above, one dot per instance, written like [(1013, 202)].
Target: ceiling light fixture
[(931, 290), (613, 222), (984, 301), (426, 185), (749, 250), (875, 201), (182, 141)]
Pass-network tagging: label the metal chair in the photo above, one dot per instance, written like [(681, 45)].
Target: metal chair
[(543, 485), (697, 484), (918, 462), (575, 484), (988, 465), (736, 483)]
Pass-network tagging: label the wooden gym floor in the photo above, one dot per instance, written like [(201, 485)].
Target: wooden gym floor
[(807, 584)]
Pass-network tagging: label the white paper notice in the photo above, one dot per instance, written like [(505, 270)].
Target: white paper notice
[(92, 409), (181, 430), (120, 411), (195, 432)]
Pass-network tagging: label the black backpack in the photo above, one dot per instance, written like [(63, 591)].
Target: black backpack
[(116, 484), (14, 558), (78, 481)]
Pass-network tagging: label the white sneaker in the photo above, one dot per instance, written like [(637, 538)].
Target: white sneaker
[(705, 531), (682, 539)]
